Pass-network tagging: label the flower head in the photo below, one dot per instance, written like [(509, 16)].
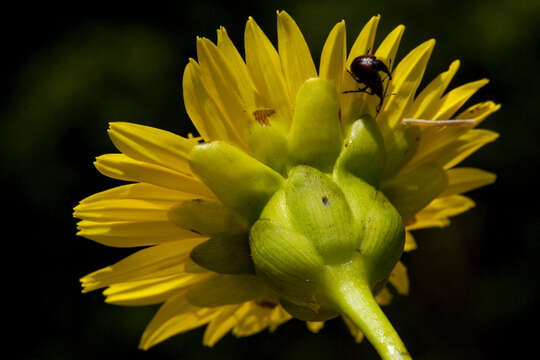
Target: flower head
[(298, 197)]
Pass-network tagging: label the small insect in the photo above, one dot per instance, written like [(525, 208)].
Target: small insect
[(365, 70)]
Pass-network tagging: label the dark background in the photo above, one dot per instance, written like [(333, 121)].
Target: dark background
[(71, 70)]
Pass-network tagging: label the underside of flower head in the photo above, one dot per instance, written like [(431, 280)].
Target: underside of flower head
[(276, 133)]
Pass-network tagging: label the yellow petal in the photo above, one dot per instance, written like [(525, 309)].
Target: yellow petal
[(140, 191), (425, 106), (453, 145), (228, 95), (124, 210), (227, 319), (465, 146), (399, 279), (315, 326), (219, 290), (202, 108), (355, 332), (265, 68), (207, 217), (405, 81), (354, 105), (334, 55), (148, 144), (387, 53), (144, 264), (132, 233), (175, 316), (150, 291), (277, 317), (434, 139), (122, 167), (245, 84), (436, 214), (479, 112), (410, 243), (452, 101), (254, 320), (384, 297), (411, 192), (364, 42), (296, 60), (461, 180), (389, 47)]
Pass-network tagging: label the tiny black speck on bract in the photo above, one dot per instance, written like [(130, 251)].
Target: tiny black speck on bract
[(325, 200)]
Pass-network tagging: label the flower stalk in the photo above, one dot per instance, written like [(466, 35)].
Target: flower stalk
[(355, 300)]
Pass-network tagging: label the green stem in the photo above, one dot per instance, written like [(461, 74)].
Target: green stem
[(353, 296)]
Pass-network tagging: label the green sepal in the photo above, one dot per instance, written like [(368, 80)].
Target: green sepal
[(363, 153), (401, 144), (319, 210), (269, 145), (413, 191), (382, 234), (238, 180), (383, 241), (206, 217), (307, 313), (225, 254), (222, 290), (315, 135), (287, 259)]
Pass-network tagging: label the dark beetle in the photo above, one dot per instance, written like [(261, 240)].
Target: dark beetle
[(365, 70)]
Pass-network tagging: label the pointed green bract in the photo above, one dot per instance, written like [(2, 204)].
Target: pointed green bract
[(225, 254), (269, 145), (287, 259), (309, 313), (363, 153), (381, 229), (401, 145), (238, 180), (206, 217), (315, 134), (319, 210)]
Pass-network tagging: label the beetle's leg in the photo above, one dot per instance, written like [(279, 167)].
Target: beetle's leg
[(369, 91), (359, 90)]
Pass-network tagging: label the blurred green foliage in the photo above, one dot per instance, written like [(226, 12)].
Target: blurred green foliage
[(474, 285)]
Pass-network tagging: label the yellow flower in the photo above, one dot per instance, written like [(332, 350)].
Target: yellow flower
[(193, 210)]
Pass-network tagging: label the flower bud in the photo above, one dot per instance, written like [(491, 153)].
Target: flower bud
[(315, 224)]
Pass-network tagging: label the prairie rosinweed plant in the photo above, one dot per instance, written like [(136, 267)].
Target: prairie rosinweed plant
[(298, 197)]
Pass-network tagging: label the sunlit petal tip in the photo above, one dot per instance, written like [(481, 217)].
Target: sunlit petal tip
[(334, 55), (294, 54)]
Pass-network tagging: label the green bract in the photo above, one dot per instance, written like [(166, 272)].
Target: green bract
[(321, 234)]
